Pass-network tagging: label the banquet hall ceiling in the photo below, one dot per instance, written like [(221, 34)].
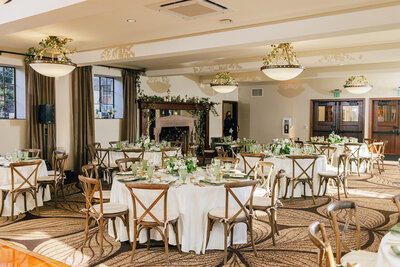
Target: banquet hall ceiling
[(99, 24)]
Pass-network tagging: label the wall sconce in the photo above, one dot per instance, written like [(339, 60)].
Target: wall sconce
[(336, 93)]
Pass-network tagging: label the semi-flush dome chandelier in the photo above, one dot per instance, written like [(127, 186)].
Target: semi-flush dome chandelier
[(224, 83), (51, 67), (4, 2), (281, 63), (357, 85)]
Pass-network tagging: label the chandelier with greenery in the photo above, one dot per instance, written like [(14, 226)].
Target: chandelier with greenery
[(281, 63), (59, 64), (357, 85), (224, 83)]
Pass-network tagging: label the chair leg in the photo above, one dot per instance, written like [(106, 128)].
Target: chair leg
[(24, 194), (175, 227), (3, 197), (292, 196), (225, 242), (63, 191), (86, 229), (209, 227), (36, 204), (134, 240), (345, 188), (233, 226), (126, 221), (321, 181), (101, 234), (114, 227), (272, 223), (252, 237), (55, 193), (338, 187), (304, 190), (287, 186), (310, 183), (12, 206), (166, 243), (148, 238)]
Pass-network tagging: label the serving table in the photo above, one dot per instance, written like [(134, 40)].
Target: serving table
[(192, 201), (5, 179)]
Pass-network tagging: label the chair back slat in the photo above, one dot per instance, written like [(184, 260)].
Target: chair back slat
[(259, 170), (276, 187), (247, 164), (319, 146), (30, 179), (353, 149), (133, 153), (168, 152), (242, 205), (90, 170), (59, 165), (305, 164), (236, 150), (329, 152), (325, 249), (126, 163), (90, 186), (147, 210), (350, 210), (102, 155), (232, 161)]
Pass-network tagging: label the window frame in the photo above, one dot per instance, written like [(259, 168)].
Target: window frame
[(15, 92), (100, 94)]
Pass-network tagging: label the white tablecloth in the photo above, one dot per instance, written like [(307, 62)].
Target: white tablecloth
[(286, 164), (340, 148), (5, 179), (192, 204), (385, 256), (154, 157)]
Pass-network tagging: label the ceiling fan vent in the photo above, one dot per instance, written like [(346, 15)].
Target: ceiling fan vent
[(190, 9)]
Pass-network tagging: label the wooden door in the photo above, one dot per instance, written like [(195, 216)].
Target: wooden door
[(385, 124), (344, 117)]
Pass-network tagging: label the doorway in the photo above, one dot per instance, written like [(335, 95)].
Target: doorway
[(385, 123), (345, 117), (231, 106)]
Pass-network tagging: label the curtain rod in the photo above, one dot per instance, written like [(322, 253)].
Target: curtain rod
[(22, 54)]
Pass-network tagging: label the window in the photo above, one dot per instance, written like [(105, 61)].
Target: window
[(7, 92), (104, 104)]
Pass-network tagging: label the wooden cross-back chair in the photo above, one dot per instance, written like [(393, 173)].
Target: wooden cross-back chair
[(306, 175), (269, 204), (126, 163), (178, 144), (233, 161), (329, 152), (319, 145), (168, 152), (34, 152), (236, 150), (344, 216), (56, 153), (230, 216), (396, 201), (101, 212), (152, 218), (90, 171), (325, 249), (259, 170), (221, 152), (369, 141), (56, 179), (21, 184), (377, 156), (339, 177), (246, 163), (354, 155), (102, 158), (137, 153)]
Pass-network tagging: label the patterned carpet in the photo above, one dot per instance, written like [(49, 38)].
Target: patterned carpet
[(58, 232)]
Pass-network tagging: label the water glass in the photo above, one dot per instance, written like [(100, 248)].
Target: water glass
[(216, 170), (134, 168), (26, 154), (14, 157), (144, 162), (183, 174), (150, 171), (227, 167)]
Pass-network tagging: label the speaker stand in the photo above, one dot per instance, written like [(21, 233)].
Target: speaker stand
[(46, 134)]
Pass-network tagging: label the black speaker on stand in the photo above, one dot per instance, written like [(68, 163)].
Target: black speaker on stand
[(46, 117)]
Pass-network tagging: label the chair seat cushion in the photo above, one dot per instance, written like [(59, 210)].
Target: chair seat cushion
[(110, 208), (51, 172), (328, 173), (106, 194), (8, 187), (362, 257), (260, 202), (220, 213), (48, 178), (159, 214)]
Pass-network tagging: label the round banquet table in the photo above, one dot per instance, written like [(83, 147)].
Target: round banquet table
[(5, 179), (385, 256), (192, 203), (285, 163), (155, 157)]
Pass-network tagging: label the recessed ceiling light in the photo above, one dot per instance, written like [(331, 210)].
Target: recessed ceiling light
[(225, 21), (131, 20)]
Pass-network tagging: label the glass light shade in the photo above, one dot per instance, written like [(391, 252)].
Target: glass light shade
[(3, 1), (358, 89), (224, 89), (282, 72), (52, 68)]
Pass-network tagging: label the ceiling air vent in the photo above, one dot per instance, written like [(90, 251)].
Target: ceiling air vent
[(255, 92), (190, 9)]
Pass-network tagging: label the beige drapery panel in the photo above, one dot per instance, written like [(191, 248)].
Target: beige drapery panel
[(83, 115), (39, 90), (129, 78)]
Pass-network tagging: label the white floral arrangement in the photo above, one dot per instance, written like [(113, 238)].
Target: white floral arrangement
[(281, 146), (144, 142), (173, 164), (334, 138), (110, 112)]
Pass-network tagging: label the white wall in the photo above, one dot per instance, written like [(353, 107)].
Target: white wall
[(190, 86), (260, 118)]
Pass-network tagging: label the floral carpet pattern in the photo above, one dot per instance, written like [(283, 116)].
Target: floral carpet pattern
[(58, 232)]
